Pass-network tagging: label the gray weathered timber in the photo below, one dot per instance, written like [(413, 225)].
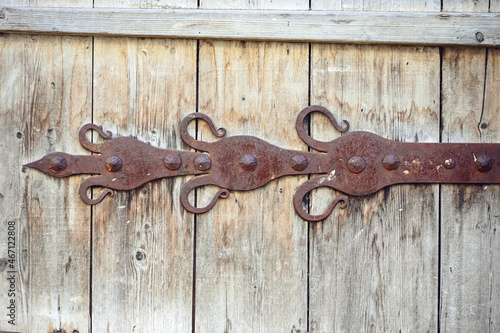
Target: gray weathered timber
[(38, 110), (143, 239), (470, 216), (418, 28), (251, 250), (137, 262), (374, 267), (367, 270), (45, 95)]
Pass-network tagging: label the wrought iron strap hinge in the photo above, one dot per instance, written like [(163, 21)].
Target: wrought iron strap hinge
[(357, 163)]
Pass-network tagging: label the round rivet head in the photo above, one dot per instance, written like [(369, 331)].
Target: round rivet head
[(248, 162), (449, 163), (57, 164), (356, 164), (484, 163), (172, 161), (298, 162), (391, 162), (202, 162), (113, 163)]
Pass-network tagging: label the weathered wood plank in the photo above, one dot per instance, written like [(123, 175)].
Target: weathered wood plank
[(251, 250), (418, 28), (377, 5), (470, 214), (374, 267), (45, 96), (143, 240), (492, 121)]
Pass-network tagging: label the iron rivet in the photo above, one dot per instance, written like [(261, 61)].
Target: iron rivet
[(356, 164), (484, 163), (57, 164), (202, 162), (172, 162), (248, 162), (449, 163), (391, 162), (298, 162), (113, 163)]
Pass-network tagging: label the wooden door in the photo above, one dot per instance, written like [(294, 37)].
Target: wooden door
[(409, 258)]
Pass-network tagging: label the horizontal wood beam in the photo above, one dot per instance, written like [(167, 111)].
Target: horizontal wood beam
[(406, 28)]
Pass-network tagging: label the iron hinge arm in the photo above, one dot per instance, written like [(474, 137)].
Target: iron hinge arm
[(357, 163)]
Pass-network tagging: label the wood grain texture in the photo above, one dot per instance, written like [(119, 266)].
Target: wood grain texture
[(470, 215), (417, 28), (46, 95), (251, 251), (374, 267), (251, 254), (142, 239), (250, 264), (377, 5)]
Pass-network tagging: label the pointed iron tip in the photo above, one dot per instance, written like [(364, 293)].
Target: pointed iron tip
[(38, 165), (53, 165)]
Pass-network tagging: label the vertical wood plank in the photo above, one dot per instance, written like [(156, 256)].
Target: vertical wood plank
[(251, 251), (492, 121), (470, 214), (470, 246), (52, 247), (143, 240), (374, 266), (45, 96)]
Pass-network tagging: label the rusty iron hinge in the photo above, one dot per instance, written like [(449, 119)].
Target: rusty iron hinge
[(357, 163)]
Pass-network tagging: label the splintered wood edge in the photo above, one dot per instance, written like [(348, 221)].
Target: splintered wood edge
[(403, 28)]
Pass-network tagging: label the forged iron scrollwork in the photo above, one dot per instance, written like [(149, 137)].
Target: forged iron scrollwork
[(357, 163)]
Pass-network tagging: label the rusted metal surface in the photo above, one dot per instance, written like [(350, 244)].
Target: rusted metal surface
[(121, 164), (357, 163)]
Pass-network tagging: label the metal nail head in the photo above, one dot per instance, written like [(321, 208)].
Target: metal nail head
[(356, 164), (484, 163), (57, 164), (298, 162), (172, 161), (248, 162), (113, 163), (202, 162)]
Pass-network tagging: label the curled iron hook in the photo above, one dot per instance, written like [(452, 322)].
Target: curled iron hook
[(93, 182), (299, 125), (198, 182), (308, 186), (93, 147), (190, 141)]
